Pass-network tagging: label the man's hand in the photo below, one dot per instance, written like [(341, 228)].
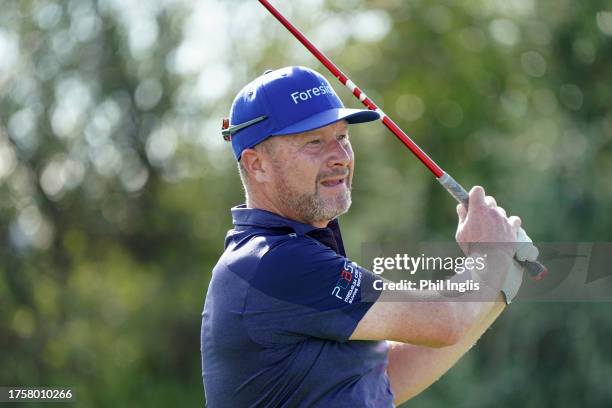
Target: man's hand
[(484, 221)]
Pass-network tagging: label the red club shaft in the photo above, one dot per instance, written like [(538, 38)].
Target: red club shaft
[(357, 92)]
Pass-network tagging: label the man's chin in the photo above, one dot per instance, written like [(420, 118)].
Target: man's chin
[(338, 208), (318, 208)]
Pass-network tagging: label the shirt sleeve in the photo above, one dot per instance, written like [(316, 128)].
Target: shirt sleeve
[(301, 289)]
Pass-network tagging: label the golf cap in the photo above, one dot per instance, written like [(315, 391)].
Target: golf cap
[(285, 101)]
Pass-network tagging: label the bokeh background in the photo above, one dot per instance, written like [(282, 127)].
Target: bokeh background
[(115, 184)]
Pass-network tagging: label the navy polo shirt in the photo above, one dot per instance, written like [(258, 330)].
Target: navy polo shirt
[(282, 303)]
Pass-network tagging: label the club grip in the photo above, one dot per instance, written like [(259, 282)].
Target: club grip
[(535, 269)]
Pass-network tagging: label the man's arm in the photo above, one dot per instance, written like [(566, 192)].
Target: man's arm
[(454, 326), (413, 368), (432, 318), (416, 363)]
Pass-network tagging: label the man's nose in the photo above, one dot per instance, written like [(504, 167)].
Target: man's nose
[(340, 153)]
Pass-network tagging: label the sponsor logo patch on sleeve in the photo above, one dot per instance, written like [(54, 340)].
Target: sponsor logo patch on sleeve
[(348, 283)]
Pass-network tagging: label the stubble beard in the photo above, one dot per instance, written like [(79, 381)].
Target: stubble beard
[(311, 207)]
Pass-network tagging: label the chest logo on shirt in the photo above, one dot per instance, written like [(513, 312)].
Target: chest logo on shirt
[(348, 283)]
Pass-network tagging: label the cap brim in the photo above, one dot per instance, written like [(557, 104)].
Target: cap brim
[(328, 117)]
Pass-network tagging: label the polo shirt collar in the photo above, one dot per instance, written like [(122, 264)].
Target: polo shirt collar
[(255, 217), (244, 218)]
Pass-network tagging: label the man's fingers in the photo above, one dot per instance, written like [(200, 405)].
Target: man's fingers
[(492, 203), (461, 212), (515, 222), (477, 200)]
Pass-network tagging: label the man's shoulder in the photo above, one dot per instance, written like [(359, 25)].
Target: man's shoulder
[(248, 253), (255, 244)]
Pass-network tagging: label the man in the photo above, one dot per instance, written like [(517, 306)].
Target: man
[(286, 322)]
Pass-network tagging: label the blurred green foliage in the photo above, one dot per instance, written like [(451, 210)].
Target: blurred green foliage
[(115, 185)]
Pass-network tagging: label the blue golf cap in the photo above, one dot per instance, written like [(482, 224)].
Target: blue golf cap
[(286, 101)]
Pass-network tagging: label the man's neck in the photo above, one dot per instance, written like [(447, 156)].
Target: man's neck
[(264, 203)]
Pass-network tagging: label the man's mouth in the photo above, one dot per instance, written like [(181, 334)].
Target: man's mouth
[(334, 182)]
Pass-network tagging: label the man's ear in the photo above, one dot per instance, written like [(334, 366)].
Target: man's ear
[(256, 164)]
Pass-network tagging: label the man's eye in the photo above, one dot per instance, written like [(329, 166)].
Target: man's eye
[(342, 137), (314, 142)]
